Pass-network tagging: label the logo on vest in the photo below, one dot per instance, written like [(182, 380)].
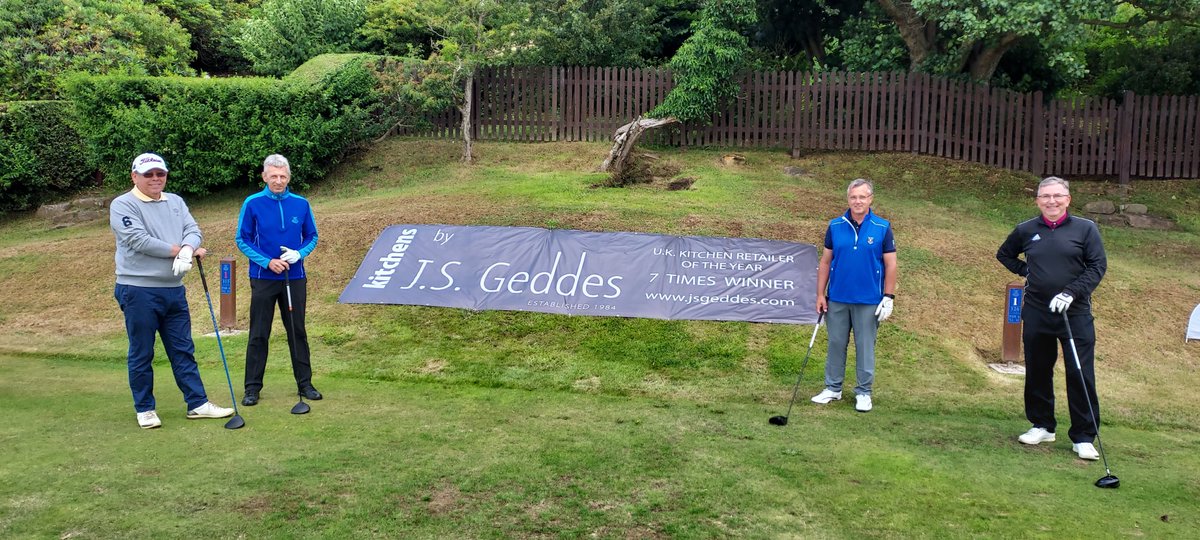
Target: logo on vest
[(1035, 238)]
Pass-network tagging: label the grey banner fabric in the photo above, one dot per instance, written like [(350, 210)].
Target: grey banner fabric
[(589, 273)]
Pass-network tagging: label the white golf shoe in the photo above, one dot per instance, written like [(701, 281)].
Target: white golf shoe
[(1086, 451), (826, 396), (209, 410), (862, 403), (1036, 435), (149, 420)]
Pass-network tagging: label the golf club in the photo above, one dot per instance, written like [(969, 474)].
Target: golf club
[(301, 407), (783, 420), (1108, 481), (236, 421)]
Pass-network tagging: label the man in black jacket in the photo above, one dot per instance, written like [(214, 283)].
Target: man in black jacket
[(1064, 262)]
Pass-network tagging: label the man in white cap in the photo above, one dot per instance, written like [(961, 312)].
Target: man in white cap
[(156, 239)]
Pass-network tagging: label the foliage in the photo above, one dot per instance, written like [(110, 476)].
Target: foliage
[(412, 91), (796, 34), (867, 42), (1155, 58), (212, 25), (599, 33), (706, 65), (215, 132), (41, 154), (395, 27), (286, 33), (43, 39)]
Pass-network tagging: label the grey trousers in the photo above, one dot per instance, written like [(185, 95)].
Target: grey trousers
[(839, 321)]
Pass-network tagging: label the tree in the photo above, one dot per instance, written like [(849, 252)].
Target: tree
[(472, 34), (968, 36), (1147, 52), (286, 33), (41, 40), (395, 27), (704, 70), (609, 32)]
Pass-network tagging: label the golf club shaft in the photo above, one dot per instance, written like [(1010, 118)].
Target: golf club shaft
[(1086, 394), (291, 327), (811, 341), (217, 330)]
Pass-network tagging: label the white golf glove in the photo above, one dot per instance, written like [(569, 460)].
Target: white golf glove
[(1061, 302), (289, 256), (183, 261), (884, 310)]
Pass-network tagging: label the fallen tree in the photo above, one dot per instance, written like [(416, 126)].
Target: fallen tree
[(704, 69)]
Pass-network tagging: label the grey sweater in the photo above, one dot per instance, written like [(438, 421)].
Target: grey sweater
[(145, 233)]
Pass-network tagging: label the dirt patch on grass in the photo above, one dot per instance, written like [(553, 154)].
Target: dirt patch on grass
[(443, 499)]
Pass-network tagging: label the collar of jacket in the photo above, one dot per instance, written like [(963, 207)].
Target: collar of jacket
[(286, 193)]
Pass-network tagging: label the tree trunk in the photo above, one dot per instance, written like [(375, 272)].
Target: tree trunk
[(465, 109), (919, 35), (626, 137), (982, 65)]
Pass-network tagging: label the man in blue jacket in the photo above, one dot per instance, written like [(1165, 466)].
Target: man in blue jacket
[(856, 283), (276, 231)]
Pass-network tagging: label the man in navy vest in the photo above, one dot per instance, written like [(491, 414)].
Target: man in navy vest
[(856, 284)]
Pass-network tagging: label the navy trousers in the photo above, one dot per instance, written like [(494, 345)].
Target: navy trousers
[(163, 311)]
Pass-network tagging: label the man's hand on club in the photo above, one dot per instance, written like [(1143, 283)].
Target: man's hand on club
[(290, 255), (183, 261), (884, 310), (1061, 302)]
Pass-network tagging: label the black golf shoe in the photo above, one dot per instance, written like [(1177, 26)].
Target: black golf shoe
[(250, 399), (310, 393)]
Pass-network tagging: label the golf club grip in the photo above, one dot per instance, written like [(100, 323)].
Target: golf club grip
[(815, 329), (200, 268)]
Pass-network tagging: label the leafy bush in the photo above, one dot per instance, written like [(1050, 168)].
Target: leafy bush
[(214, 133), (42, 39), (41, 154), (287, 33)]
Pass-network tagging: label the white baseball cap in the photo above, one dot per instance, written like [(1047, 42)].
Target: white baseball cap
[(147, 162)]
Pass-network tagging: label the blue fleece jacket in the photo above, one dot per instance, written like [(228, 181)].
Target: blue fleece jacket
[(268, 221)]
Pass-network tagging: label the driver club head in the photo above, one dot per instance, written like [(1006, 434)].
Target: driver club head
[(778, 420), (1109, 481), (235, 422), (301, 407)]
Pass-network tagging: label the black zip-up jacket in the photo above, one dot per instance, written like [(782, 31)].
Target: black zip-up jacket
[(1068, 258)]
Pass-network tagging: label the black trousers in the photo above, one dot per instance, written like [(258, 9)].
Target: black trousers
[(265, 295), (1043, 334)]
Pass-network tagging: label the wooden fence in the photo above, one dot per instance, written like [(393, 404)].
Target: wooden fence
[(1145, 136)]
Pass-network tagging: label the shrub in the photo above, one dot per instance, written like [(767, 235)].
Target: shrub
[(42, 156), (214, 133)]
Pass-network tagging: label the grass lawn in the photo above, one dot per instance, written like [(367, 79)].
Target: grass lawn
[(443, 423)]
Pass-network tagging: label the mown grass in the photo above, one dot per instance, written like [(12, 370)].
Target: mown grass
[(449, 423)]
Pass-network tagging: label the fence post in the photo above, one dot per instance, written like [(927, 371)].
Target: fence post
[(1037, 143), (1125, 138)]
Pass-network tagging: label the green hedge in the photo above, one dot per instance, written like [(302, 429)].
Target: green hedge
[(42, 156), (214, 133)]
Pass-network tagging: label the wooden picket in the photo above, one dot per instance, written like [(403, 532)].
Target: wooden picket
[(1142, 136)]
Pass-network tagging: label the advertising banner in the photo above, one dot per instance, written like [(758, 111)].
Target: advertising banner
[(589, 273)]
